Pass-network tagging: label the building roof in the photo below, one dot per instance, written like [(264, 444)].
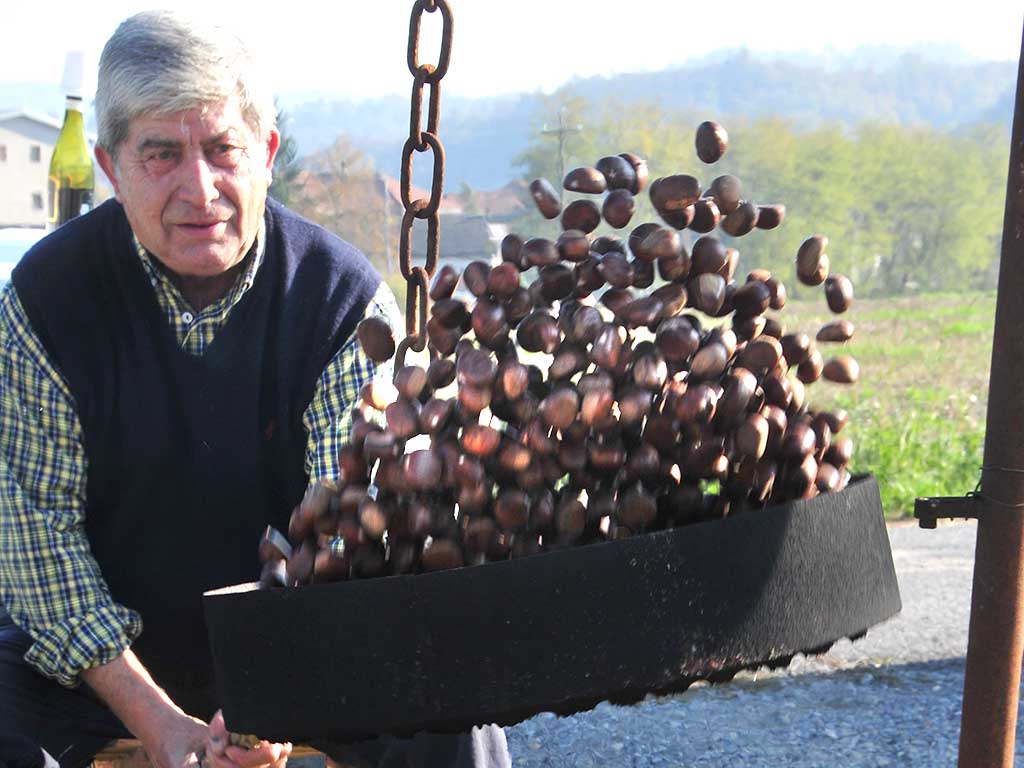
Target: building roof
[(507, 202), (394, 189), (314, 186), (38, 117), (462, 238)]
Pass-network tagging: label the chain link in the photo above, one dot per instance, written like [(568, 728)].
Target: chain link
[(416, 301), (416, 305), (416, 113), (437, 183), (405, 241), (444, 57), (417, 279)]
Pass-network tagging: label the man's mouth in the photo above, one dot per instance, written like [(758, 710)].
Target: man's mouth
[(202, 227)]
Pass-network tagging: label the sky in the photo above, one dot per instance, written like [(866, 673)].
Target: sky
[(356, 48)]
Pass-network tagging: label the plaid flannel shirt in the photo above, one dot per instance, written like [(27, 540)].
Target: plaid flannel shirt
[(49, 582)]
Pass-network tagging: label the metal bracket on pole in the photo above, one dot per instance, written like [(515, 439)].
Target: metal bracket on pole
[(931, 509)]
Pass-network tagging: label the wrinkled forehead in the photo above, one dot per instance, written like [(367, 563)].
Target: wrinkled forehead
[(198, 125), (192, 125)]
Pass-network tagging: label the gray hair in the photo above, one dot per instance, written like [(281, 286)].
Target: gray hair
[(160, 63)]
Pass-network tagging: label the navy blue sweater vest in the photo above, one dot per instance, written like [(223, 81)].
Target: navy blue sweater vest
[(188, 458)]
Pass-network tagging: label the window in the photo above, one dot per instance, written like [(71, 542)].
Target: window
[(3, 153), (37, 201), (35, 153)]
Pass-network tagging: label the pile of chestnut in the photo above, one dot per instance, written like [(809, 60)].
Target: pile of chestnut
[(584, 389)]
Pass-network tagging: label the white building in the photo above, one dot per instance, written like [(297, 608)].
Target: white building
[(26, 143)]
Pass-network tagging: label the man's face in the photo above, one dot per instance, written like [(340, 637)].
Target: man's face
[(193, 186)]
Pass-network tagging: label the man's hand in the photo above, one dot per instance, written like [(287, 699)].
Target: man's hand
[(220, 753), (172, 738), (178, 744)]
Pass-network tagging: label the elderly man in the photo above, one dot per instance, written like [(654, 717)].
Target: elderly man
[(176, 366)]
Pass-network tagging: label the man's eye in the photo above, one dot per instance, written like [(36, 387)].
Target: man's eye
[(226, 154), (160, 159)]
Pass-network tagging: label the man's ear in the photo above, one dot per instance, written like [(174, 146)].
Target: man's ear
[(273, 144), (109, 168)]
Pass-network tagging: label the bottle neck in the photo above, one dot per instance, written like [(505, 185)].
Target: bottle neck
[(74, 122)]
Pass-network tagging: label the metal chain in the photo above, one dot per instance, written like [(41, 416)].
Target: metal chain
[(417, 279)]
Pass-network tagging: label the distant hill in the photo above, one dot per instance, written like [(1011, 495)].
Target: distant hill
[(936, 86), (906, 89), (480, 136)]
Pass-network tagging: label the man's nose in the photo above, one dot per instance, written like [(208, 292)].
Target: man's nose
[(198, 184)]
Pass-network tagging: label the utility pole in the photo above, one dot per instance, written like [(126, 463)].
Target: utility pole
[(995, 639), (561, 132)]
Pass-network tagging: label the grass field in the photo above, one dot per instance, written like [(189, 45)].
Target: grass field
[(918, 411)]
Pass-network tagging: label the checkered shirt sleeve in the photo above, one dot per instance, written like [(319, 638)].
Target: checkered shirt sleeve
[(50, 583), (328, 419)]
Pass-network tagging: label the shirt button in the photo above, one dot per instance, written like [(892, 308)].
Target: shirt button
[(186, 317)]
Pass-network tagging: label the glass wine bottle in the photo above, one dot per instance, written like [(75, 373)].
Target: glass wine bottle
[(72, 179)]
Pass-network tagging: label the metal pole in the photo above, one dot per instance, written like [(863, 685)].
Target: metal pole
[(996, 636)]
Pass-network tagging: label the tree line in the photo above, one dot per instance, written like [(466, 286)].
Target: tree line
[(905, 208)]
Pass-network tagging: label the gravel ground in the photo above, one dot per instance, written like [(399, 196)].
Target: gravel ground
[(890, 699)]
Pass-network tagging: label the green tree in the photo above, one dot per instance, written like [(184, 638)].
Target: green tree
[(470, 204), (286, 164), (932, 205)]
